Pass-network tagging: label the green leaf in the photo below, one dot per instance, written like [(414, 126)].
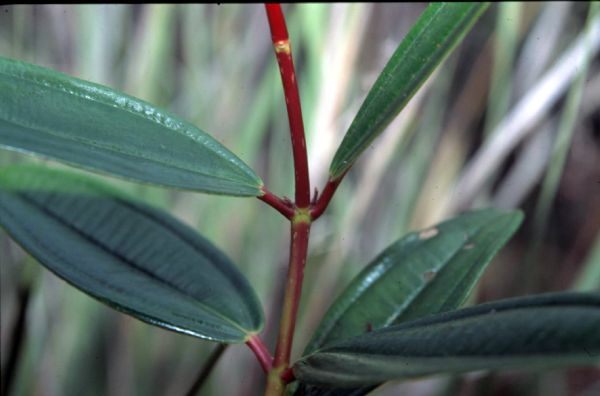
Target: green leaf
[(439, 29), (533, 332), (54, 115), (132, 257), (425, 272)]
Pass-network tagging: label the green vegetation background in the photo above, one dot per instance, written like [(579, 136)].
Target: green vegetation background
[(213, 64)]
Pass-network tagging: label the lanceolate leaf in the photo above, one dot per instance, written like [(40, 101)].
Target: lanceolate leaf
[(135, 258), (425, 272), (439, 29), (51, 114), (529, 333)]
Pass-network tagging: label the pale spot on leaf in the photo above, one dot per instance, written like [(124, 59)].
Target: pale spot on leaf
[(429, 275), (430, 233)]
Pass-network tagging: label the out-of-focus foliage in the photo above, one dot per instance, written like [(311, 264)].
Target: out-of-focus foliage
[(213, 65)]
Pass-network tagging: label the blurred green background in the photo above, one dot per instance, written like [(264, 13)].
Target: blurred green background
[(511, 119)]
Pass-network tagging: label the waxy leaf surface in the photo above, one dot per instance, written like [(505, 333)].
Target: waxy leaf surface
[(425, 272), (128, 255), (94, 127), (437, 31), (532, 332)]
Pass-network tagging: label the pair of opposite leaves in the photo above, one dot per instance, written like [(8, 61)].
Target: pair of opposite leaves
[(88, 125), (144, 262)]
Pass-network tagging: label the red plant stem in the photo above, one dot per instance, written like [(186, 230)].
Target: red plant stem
[(283, 52), (323, 201), (284, 207), (298, 251), (300, 231), (262, 353)]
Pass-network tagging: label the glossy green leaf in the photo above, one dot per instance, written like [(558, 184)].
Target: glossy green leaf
[(88, 125), (128, 255), (533, 332), (438, 30), (425, 272)]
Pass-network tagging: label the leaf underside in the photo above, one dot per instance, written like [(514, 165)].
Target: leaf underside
[(423, 273), (534, 332), (128, 255)]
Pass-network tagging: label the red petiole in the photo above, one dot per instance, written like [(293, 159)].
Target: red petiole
[(283, 206), (261, 352), (321, 203)]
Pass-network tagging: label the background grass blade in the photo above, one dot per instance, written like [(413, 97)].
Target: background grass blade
[(589, 277), (508, 20), (531, 332), (434, 35), (134, 258), (557, 160), (88, 125), (425, 272)]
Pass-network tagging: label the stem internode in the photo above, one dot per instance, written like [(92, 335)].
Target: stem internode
[(283, 52)]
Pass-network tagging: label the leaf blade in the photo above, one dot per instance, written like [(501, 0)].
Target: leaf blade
[(437, 31), (543, 331), (425, 272), (88, 125), (132, 257)]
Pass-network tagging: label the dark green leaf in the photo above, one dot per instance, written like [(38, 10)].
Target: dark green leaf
[(423, 273), (439, 29), (135, 258), (420, 274), (49, 113), (533, 332)]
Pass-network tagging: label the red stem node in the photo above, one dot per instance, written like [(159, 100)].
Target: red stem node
[(288, 375)]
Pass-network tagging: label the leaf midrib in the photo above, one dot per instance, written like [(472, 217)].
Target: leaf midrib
[(409, 299), (445, 318), (105, 248), (457, 284), (205, 144), (389, 77)]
